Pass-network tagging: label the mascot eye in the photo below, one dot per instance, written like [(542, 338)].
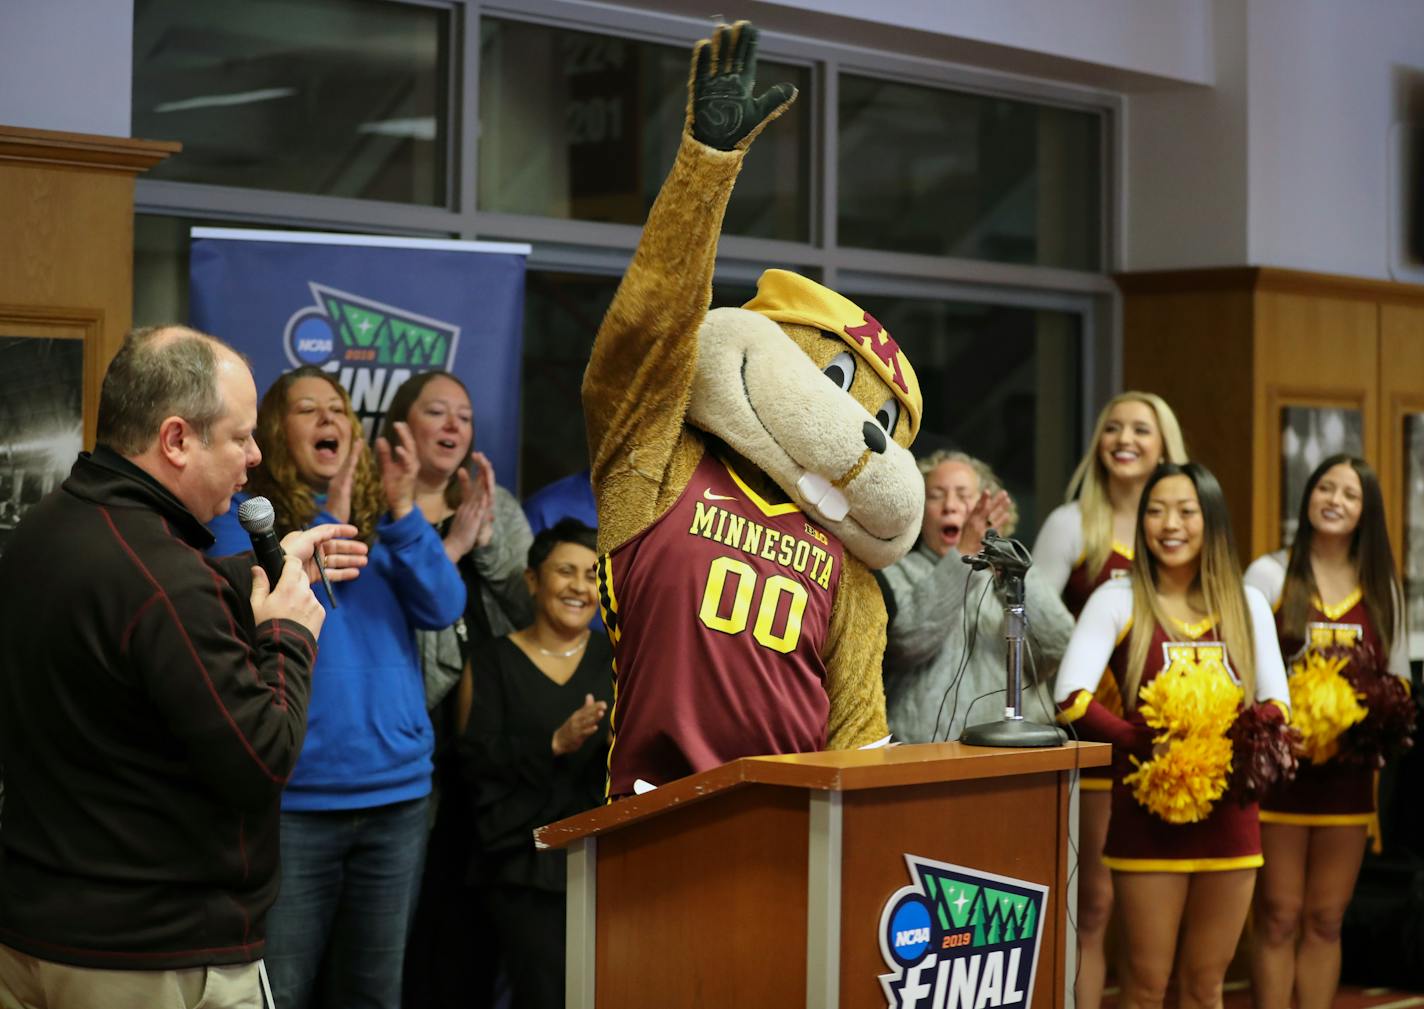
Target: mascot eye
[(888, 415), (841, 370)]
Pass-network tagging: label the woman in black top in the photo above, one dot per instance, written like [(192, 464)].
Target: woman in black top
[(535, 751)]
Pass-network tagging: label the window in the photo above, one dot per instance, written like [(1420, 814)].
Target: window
[(562, 312), (933, 192), (333, 97), (1000, 383), (582, 126), (945, 173)]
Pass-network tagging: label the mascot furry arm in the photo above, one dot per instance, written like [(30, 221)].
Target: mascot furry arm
[(750, 466)]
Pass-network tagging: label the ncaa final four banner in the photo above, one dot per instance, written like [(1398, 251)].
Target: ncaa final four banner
[(372, 311)]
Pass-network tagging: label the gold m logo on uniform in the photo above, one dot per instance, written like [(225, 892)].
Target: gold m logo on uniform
[(1183, 657), (1322, 635)]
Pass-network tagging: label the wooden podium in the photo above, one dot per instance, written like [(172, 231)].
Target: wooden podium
[(765, 882)]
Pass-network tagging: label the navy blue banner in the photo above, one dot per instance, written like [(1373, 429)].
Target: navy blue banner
[(373, 311)]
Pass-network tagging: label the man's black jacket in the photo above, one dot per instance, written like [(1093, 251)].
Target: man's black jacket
[(146, 730)]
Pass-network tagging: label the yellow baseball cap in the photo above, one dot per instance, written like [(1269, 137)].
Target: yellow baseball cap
[(783, 296)]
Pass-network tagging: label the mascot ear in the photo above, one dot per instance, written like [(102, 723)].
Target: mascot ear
[(721, 110)]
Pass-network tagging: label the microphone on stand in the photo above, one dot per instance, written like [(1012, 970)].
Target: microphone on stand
[(257, 516), (1009, 560)]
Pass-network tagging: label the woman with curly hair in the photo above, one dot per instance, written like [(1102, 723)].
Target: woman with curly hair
[(1083, 543), (354, 811), (1337, 597), (1187, 646)]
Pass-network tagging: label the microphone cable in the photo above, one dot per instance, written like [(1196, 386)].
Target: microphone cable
[(970, 638)]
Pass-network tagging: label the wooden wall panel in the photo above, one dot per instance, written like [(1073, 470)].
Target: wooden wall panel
[(1193, 348), (1255, 339), (66, 268), (1401, 385), (1311, 350)]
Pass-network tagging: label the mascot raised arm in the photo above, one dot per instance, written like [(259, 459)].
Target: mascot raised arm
[(751, 465)]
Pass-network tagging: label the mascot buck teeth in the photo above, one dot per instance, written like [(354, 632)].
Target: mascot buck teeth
[(751, 465)]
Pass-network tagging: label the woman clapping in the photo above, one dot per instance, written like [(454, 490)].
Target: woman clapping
[(536, 751), (354, 812)]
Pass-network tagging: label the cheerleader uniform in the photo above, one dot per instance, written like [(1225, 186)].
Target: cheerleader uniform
[(1334, 793), (1059, 555), (1138, 840)]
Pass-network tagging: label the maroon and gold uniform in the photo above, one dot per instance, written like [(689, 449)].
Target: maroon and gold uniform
[(718, 613), (1081, 584), (1332, 793), (1229, 838), (1138, 840)]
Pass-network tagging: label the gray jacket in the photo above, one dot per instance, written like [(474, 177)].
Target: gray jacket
[(503, 597), (926, 646)]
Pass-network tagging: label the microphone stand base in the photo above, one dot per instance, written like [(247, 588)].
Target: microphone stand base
[(1013, 732)]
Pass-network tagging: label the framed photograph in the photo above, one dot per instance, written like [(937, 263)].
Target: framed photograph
[(1413, 547), (1310, 434), (42, 415)]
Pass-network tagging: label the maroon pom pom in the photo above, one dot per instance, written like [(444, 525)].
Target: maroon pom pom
[(1262, 752), (1388, 729)]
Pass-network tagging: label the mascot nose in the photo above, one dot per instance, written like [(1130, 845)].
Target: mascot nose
[(874, 437)]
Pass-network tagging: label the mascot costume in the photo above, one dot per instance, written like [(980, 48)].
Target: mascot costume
[(751, 465)]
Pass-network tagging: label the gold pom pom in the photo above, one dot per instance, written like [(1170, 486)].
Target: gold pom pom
[(1189, 700), (1192, 705), (1182, 784), (1323, 704)]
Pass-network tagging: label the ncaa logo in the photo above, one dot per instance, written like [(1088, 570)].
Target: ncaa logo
[(311, 340), (346, 330), (958, 938)]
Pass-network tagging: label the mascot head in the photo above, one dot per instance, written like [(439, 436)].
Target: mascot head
[(809, 387)]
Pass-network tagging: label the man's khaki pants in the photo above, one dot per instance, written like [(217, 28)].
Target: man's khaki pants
[(30, 983)]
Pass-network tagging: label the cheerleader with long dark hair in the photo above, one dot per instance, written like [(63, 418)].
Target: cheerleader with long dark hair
[(1340, 620), (1084, 542), (1193, 655)]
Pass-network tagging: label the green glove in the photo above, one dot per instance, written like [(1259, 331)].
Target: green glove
[(721, 110)]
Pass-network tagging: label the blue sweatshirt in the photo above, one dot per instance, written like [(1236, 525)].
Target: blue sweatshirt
[(369, 739)]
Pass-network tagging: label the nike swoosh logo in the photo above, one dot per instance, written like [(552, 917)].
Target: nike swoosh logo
[(707, 493)]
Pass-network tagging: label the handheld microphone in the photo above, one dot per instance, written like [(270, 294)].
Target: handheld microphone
[(257, 516)]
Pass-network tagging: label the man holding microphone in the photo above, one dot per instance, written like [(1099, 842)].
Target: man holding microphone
[(152, 701)]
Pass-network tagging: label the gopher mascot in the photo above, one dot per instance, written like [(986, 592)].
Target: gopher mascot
[(751, 465)]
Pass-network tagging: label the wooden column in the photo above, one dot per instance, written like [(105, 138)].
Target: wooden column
[(66, 264)]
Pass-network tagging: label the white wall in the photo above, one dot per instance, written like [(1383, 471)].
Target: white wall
[(1165, 39), (66, 64), (1287, 160), (1184, 192), (1327, 81)]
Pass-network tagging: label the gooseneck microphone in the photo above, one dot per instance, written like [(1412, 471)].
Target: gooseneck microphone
[(257, 516)]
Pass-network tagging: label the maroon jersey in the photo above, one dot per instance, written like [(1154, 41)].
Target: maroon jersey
[(1080, 586), (1332, 793), (719, 614), (1140, 841)]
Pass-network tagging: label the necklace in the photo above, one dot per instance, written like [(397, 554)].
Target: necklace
[(562, 655)]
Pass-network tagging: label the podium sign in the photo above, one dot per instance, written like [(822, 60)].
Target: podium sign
[(829, 880)]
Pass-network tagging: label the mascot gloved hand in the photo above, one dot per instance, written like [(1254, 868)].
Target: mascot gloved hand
[(751, 465)]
